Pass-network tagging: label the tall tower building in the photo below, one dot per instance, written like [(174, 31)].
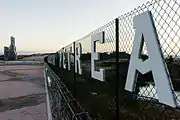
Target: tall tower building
[(12, 55)]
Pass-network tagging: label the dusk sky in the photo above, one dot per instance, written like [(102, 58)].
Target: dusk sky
[(48, 25)]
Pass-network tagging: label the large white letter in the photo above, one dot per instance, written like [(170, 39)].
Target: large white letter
[(69, 57), (146, 32), (99, 37), (78, 52), (64, 58), (60, 58)]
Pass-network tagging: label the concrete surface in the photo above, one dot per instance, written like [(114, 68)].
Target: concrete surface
[(4, 77), (22, 62), (22, 92), (27, 113), (20, 67), (11, 89), (30, 72)]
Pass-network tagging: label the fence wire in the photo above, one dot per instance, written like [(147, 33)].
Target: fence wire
[(63, 105), (97, 97)]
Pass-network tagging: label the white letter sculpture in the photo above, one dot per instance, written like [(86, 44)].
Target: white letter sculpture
[(78, 52), (146, 32), (60, 58), (69, 58), (64, 58), (99, 37)]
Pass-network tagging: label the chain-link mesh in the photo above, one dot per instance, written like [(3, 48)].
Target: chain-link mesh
[(63, 104), (98, 97), (94, 94), (166, 17), (167, 22)]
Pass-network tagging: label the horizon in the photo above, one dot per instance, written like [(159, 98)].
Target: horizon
[(30, 52)]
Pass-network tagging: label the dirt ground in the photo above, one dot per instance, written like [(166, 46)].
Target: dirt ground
[(22, 92), (33, 58)]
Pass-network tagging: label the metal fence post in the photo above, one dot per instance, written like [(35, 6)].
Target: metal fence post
[(62, 69), (74, 46), (117, 67)]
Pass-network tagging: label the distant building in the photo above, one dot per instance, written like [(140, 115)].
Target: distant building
[(10, 53), (6, 51)]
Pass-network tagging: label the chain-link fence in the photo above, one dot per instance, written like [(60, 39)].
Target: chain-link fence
[(108, 99), (63, 105)]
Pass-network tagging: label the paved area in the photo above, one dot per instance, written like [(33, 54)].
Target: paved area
[(11, 89), (22, 92), (25, 113), (4, 77)]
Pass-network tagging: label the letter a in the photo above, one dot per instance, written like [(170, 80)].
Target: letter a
[(146, 31)]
